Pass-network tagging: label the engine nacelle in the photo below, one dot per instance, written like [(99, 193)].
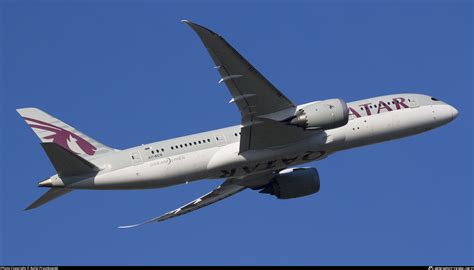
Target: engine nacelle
[(293, 183), (326, 114)]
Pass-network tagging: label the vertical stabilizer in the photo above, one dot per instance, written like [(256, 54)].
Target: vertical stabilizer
[(51, 129), (66, 162)]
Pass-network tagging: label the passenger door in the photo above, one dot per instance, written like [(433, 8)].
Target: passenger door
[(136, 158), (220, 139), (413, 103)]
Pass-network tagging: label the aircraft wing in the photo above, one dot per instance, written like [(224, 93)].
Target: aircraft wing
[(230, 187), (253, 94)]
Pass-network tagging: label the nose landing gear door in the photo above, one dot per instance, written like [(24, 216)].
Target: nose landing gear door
[(413, 103)]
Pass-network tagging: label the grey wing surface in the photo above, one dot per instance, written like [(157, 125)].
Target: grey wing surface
[(221, 192), (253, 94), (230, 187)]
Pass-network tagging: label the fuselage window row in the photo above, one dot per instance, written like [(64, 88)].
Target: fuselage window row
[(157, 150), (189, 144)]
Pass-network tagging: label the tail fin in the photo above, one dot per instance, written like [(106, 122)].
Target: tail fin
[(51, 194), (66, 162), (51, 129)]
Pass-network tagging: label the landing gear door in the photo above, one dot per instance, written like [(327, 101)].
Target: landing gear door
[(413, 103), (136, 158)]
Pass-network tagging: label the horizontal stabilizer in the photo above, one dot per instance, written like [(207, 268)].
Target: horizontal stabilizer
[(51, 194), (66, 162)]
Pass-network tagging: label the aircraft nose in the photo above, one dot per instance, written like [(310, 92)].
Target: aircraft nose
[(444, 113), (454, 112)]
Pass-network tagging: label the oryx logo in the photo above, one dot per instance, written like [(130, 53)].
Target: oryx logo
[(63, 137)]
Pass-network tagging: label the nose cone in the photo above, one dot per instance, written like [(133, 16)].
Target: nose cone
[(454, 112), (444, 113)]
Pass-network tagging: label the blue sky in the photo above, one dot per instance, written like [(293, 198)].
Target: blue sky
[(128, 73)]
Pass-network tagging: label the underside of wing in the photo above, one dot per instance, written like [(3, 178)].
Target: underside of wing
[(268, 134), (221, 192), (230, 187)]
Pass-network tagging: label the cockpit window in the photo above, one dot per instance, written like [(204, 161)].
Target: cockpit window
[(435, 99)]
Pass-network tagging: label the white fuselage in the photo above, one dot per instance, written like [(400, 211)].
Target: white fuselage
[(215, 154)]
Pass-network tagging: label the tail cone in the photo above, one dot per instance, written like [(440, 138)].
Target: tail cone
[(45, 183)]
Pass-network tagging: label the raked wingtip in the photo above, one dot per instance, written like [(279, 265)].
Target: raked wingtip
[(129, 226)]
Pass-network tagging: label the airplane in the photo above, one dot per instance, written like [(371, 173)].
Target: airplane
[(261, 153)]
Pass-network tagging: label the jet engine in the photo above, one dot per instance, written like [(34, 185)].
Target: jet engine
[(293, 183), (326, 114)]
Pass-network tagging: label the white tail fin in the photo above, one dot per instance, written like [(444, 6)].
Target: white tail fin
[(51, 129)]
